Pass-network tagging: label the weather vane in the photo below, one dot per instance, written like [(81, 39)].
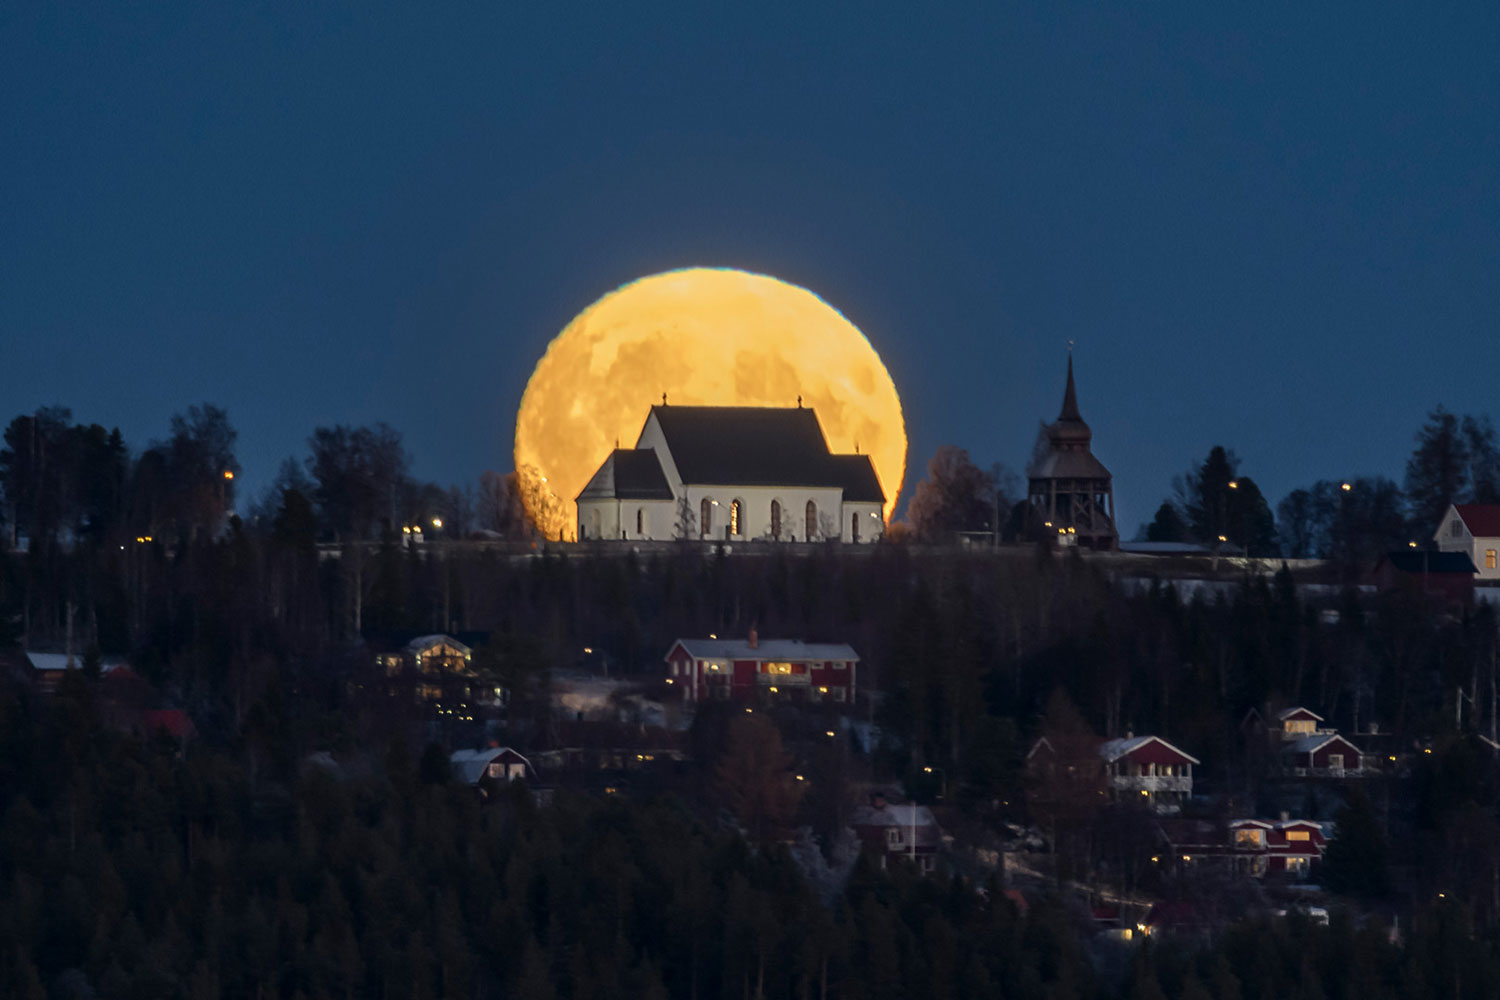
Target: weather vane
[(1070, 345)]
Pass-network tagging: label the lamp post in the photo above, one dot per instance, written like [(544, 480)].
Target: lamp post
[(1424, 567), (942, 780)]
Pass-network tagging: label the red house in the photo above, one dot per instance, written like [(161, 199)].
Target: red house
[(1290, 848), (1323, 755), (1150, 770), (750, 669), (907, 830)]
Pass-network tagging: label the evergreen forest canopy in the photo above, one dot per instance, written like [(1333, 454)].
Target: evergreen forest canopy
[(236, 869)]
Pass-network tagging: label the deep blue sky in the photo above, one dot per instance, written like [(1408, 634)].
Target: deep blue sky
[(1275, 229)]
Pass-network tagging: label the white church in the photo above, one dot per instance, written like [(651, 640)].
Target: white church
[(732, 473)]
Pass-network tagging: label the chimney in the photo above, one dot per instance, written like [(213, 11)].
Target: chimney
[(754, 638), (877, 800), (1285, 816)]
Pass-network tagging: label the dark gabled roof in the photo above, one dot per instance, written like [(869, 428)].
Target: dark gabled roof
[(629, 474), (1482, 519), (1415, 561), (748, 446), (857, 476)]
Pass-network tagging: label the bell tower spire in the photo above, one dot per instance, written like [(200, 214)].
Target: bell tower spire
[(1070, 395)]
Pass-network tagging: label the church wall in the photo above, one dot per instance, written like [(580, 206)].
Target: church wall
[(757, 510), (658, 519)]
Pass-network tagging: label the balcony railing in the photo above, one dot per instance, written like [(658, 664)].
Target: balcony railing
[(1155, 783)]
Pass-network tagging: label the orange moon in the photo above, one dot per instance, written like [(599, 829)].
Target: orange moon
[(705, 337)]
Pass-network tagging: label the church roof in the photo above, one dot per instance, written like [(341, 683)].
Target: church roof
[(857, 476), (629, 474), (760, 446), (1068, 465)]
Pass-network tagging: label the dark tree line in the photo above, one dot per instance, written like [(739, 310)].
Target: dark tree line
[(1352, 522)]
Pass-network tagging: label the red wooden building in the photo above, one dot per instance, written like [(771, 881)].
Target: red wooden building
[(1149, 770), (750, 669)]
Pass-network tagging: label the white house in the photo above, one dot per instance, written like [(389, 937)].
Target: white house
[(1473, 528), (734, 473)]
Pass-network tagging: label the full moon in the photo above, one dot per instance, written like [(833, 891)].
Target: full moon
[(704, 337)]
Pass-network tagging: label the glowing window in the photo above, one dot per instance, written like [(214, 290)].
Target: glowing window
[(1489, 558), (734, 518), (1247, 838), (812, 520), (706, 516), (776, 519), (1298, 835)]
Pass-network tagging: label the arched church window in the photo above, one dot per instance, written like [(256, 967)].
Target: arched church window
[(854, 526), (706, 517), (812, 520), (640, 520), (735, 512), (776, 519)]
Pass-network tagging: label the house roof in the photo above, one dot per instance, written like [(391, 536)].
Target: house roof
[(759, 446), (903, 816), (766, 649), (1427, 561), (629, 474), (470, 765), (59, 661), (1137, 746), (425, 642), (1312, 744), (1298, 713), (1482, 519)]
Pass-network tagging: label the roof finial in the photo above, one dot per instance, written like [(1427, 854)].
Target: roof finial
[(663, 399), (1070, 345), (856, 446), (799, 400)]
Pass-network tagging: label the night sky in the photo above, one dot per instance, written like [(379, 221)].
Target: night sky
[(1278, 230)]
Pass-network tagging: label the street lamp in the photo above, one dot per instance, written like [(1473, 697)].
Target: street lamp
[(942, 778)]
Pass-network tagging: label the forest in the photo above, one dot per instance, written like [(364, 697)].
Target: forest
[(135, 865)]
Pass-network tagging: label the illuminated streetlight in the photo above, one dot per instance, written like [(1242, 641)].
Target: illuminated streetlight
[(1234, 484), (1345, 487), (228, 474), (437, 522)]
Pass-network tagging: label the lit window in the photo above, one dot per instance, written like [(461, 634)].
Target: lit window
[(734, 518), (1489, 558), (1247, 838), (1298, 835)]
